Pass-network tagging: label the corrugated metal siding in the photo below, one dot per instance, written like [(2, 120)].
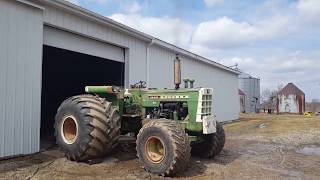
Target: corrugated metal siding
[(20, 78), (137, 48), (251, 88), (225, 84), (161, 61), (73, 42), (21, 39)]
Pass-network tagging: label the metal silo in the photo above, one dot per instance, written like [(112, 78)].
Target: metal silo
[(251, 87)]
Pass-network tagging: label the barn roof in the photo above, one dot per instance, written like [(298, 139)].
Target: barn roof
[(290, 88), (82, 12)]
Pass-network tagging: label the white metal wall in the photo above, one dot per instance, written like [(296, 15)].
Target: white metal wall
[(225, 84), (20, 77), (73, 42), (137, 48)]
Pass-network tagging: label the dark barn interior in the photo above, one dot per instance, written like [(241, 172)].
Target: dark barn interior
[(66, 73)]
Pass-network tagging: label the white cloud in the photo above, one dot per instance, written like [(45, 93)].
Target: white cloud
[(245, 64), (172, 30), (309, 7), (281, 69), (308, 12), (77, 2), (293, 65), (205, 51), (99, 1), (278, 65), (133, 8), (223, 32), (74, 1), (227, 33), (235, 41), (210, 3)]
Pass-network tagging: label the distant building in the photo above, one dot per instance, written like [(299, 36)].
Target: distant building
[(242, 96), (291, 100), (251, 88)]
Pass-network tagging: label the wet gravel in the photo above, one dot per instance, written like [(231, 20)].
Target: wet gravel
[(284, 147)]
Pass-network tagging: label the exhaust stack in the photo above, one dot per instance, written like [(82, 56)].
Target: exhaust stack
[(177, 72), (191, 83), (186, 83)]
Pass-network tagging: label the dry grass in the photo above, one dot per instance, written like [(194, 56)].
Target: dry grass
[(275, 127)]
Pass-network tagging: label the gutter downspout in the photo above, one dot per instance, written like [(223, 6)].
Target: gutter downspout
[(148, 61)]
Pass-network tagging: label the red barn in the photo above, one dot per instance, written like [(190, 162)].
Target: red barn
[(291, 100)]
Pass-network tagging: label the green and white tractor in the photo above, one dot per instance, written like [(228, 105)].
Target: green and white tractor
[(168, 124)]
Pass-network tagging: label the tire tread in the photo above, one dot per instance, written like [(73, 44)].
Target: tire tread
[(102, 130)]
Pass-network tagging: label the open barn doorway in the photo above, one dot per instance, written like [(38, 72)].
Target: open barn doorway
[(66, 73)]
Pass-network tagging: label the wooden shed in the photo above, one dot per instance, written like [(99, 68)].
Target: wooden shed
[(291, 100)]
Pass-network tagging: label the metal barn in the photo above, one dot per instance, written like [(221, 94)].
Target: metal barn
[(50, 49)]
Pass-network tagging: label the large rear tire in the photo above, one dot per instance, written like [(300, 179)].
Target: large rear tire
[(211, 145), (86, 127), (163, 147)]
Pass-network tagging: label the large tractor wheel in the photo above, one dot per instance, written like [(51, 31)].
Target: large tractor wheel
[(211, 145), (86, 127), (163, 147)]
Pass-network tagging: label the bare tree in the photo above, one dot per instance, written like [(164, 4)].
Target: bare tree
[(269, 98), (280, 87), (266, 99), (265, 94)]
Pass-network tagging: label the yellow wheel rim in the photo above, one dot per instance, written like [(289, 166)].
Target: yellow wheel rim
[(69, 129), (155, 149)]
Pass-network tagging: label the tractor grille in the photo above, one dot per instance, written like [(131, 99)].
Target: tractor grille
[(204, 108), (206, 105)]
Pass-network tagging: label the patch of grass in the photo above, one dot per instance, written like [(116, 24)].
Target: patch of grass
[(273, 124)]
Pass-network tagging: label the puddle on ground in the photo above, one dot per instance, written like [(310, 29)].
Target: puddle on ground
[(262, 126), (309, 150)]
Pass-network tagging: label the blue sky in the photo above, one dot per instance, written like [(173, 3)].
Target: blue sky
[(275, 40)]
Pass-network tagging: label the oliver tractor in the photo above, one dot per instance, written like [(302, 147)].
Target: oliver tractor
[(168, 124)]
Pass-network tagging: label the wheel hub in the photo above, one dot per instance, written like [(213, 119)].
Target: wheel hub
[(155, 149), (69, 130)]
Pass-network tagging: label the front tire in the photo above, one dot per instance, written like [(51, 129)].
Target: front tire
[(211, 145), (163, 147), (86, 127)]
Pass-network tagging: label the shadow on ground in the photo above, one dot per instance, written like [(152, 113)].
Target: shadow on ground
[(17, 163)]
